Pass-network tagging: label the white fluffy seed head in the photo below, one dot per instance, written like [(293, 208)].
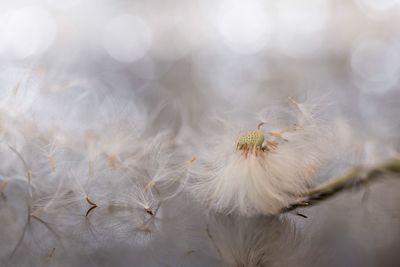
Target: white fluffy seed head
[(233, 174)]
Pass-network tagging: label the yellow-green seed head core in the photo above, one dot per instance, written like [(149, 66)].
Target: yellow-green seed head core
[(255, 138)]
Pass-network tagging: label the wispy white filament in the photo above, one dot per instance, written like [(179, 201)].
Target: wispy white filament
[(230, 181)]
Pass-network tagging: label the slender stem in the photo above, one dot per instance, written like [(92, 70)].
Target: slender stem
[(353, 178)]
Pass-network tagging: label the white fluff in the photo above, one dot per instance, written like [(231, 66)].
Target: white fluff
[(252, 242), (261, 182), (69, 155)]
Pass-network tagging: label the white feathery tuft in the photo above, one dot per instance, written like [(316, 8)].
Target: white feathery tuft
[(94, 171), (252, 242), (261, 179)]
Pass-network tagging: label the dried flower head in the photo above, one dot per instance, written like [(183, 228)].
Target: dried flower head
[(261, 171)]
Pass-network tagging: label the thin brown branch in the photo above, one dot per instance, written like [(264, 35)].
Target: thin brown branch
[(354, 178)]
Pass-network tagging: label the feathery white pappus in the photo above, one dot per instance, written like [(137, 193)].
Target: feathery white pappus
[(255, 241), (261, 171), (95, 176)]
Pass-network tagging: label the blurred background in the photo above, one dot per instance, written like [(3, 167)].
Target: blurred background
[(187, 58), (199, 53)]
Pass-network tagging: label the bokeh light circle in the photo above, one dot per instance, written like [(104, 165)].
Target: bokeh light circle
[(64, 4), (376, 65), (29, 31), (244, 26), (379, 5), (303, 16), (300, 26), (127, 38)]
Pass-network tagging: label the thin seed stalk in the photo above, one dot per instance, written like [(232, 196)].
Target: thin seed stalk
[(355, 177)]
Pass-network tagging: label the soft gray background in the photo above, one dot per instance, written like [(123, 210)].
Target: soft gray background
[(186, 59)]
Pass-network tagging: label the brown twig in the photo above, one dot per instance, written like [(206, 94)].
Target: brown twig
[(354, 178)]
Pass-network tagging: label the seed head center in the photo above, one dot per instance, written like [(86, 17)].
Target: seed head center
[(251, 138)]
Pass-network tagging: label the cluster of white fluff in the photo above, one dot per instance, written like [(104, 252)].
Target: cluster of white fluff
[(91, 170), (83, 169), (248, 242), (230, 176)]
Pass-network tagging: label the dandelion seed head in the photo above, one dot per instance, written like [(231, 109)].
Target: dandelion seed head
[(267, 171), (255, 138)]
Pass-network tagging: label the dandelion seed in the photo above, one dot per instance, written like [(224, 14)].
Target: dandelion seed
[(51, 253), (92, 204)]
